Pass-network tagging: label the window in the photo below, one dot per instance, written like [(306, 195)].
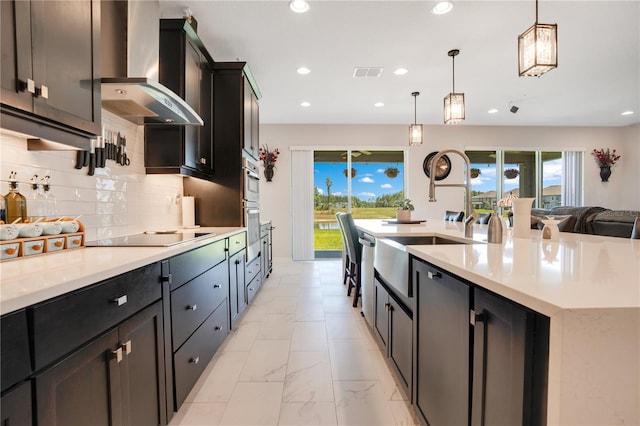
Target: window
[(536, 174), (366, 183)]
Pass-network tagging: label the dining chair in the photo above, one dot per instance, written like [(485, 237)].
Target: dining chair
[(453, 216), (354, 251)]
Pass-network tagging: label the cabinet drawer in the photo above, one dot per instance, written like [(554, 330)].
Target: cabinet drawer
[(192, 303), (253, 287), (252, 270), (16, 364), (66, 322), (187, 266), (237, 242), (192, 358)]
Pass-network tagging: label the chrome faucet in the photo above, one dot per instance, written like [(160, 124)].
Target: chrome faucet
[(470, 213)]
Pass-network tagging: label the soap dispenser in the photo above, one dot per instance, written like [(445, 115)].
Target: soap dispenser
[(494, 233)]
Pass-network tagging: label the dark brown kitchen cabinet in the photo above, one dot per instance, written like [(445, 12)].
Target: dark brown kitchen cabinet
[(185, 68), (16, 407), (15, 356), (479, 358), (50, 80), (393, 325), (116, 379), (237, 290)]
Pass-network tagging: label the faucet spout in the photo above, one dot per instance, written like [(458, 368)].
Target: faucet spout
[(469, 211)]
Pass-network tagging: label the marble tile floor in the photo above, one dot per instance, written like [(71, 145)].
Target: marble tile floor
[(300, 355)]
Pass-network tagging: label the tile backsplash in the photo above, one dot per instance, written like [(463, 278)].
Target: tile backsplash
[(117, 200)]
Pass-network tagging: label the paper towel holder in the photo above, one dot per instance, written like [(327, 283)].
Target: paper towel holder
[(189, 212)]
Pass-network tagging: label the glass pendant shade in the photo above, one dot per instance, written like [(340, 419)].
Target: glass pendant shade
[(415, 134), (415, 130), (538, 50), (453, 108)]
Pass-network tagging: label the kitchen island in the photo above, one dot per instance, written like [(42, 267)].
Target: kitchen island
[(589, 288)]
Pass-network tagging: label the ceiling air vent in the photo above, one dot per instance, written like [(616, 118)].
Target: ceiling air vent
[(367, 71)]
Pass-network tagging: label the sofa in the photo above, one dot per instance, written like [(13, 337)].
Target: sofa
[(587, 220)]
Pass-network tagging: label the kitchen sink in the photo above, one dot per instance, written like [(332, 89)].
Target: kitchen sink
[(391, 260), (429, 241)]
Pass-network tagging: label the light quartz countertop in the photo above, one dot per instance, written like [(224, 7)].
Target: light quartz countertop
[(30, 280), (589, 287)]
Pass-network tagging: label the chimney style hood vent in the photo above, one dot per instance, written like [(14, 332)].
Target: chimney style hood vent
[(130, 55)]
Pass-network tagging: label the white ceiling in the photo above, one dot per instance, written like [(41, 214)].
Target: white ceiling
[(597, 78)]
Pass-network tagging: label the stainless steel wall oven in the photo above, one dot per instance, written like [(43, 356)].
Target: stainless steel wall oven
[(251, 206)]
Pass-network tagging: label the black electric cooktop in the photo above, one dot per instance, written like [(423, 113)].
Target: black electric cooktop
[(150, 240)]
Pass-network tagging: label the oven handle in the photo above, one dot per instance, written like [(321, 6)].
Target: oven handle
[(251, 173)]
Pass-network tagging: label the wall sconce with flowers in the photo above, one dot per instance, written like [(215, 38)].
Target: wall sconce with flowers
[(605, 159), (268, 159)]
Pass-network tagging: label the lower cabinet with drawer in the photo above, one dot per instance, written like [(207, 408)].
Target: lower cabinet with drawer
[(116, 379), (199, 325)]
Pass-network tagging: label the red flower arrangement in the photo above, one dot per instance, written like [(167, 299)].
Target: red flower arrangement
[(267, 157), (604, 157)]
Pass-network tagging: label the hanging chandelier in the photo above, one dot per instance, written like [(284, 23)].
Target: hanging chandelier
[(538, 49), (453, 102), (415, 130)]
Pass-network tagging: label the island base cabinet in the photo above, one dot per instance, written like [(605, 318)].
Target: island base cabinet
[(442, 347), (509, 385), (116, 379), (15, 408), (481, 359), (393, 325)]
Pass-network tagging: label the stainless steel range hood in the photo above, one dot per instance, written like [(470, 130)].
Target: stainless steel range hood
[(130, 51)]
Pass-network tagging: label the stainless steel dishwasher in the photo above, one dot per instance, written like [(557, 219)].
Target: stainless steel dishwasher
[(367, 285)]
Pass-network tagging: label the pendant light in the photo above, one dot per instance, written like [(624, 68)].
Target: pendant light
[(415, 130), (453, 102), (538, 49)]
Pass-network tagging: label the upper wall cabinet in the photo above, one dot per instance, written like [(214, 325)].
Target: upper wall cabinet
[(184, 68), (50, 67), (235, 91)]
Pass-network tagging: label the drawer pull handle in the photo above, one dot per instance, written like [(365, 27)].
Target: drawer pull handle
[(194, 360), (217, 286), (36, 247), (192, 307), (127, 347), (76, 241), (10, 250), (217, 328), (58, 244), (119, 301), (434, 275), (167, 279)]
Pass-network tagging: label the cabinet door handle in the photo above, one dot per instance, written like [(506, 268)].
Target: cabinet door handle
[(203, 160), (387, 306), (479, 390), (237, 262), (192, 307), (117, 354), (43, 92), (30, 86), (194, 360), (119, 301), (475, 317), (217, 328), (127, 347), (433, 275), (217, 285), (167, 279)]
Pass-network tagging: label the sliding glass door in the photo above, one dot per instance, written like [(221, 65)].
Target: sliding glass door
[(366, 183)]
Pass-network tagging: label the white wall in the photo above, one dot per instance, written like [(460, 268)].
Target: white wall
[(115, 201), (621, 192)]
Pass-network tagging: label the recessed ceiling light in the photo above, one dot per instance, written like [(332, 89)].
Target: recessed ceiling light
[(303, 70), (378, 104), (627, 113), (442, 7), (305, 104), (492, 111), (401, 71), (299, 6)]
